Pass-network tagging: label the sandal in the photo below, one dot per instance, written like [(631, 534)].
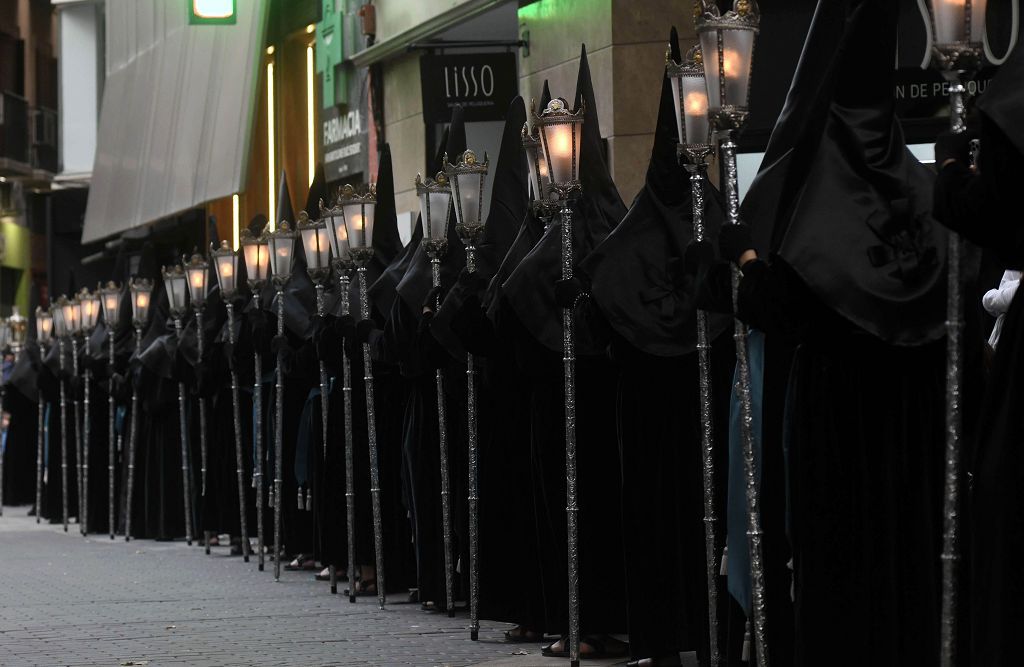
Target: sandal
[(601, 647), (520, 635), (364, 587)]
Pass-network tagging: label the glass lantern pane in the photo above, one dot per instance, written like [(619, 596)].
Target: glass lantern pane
[(355, 225), (282, 249), (470, 194), (226, 272), (324, 245), (738, 46), (709, 47), (677, 104), (558, 150), (336, 232), (369, 210), (197, 283), (978, 20), (435, 217), (531, 162), (695, 110), (310, 248)]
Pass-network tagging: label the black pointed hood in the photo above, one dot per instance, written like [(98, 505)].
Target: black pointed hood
[(638, 277), (530, 286), (384, 290), (1003, 100), (508, 207), (387, 242), (417, 281), (284, 201), (879, 258)]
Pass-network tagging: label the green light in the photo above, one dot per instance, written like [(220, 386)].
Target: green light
[(211, 12)]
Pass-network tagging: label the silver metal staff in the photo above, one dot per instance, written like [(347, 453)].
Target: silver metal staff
[(257, 266), (5, 333), (73, 319), (110, 297), (197, 271), (468, 178), (316, 244), (58, 310), (690, 100), (282, 251), (727, 44), (90, 305), (435, 198), (560, 134), (225, 262), (957, 54), (176, 285), (358, 211), (44, 336), (342, 262), (141, 290)]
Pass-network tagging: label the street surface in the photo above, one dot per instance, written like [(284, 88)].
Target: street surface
[(68, 600)]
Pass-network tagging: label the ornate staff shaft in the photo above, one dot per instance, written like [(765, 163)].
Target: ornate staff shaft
[(112, 442), (86, 429), (371, 430), (78, 435), (473, 496), (696, 170), (754, 532), (202, 407), (257, 474), (236, 418), (63, 434), (133, 439), (442, 442), (954, 417), (183, 427), (278, 439), (40, 435), (569, 385), (350, 495)]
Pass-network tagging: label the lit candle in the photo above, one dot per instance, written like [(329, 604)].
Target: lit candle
[(731, 63), (141, 300), (198, 279), (226, 270)]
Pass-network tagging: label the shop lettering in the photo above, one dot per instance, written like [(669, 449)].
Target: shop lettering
[(920, 91), (342, 128), (464, 82)]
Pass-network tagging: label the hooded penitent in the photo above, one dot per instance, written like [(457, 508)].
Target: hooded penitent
[(508, 207), (530, 286), (417, 281), (857, 284), (879, 259)]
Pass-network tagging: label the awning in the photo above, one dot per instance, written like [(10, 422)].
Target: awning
[(177, 112)]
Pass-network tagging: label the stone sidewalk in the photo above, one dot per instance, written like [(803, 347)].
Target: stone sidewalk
[(69, 600)]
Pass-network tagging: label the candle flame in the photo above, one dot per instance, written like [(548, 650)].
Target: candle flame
[(697, 103)]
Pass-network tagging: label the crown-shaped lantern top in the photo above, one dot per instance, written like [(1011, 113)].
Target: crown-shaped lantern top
[(225, 265), (197, 269), (359, 211), (18, 324), (141, 290), (282, 252), (561, 134), (727, 45), (44, 325), (256, 252), (176, 285), (316, 244), (690, 102), (89, 303), (110, 298), (435, 197), (467, 178)]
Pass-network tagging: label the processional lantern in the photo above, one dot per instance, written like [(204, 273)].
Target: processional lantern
[(561, 133), (727, 47), (358, 211), (142, 295)]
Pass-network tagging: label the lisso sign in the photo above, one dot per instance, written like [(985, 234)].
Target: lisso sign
[(483, 84), (344, 142)]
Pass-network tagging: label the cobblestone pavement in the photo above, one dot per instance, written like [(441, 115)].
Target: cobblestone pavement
[(69, 600)]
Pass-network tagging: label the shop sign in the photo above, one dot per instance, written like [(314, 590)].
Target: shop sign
[(483, 84)]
